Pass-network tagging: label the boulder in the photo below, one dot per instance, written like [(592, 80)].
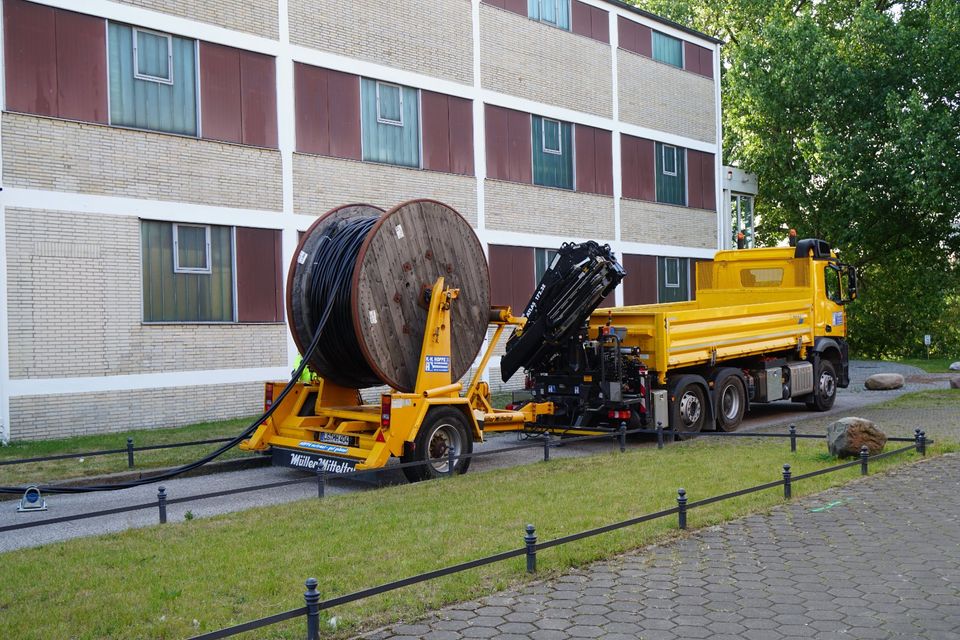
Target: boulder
[(847, 435), (884, 381), (955, 366), (955, 382)]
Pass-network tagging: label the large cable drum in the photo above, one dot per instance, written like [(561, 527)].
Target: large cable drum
[(370, 269)]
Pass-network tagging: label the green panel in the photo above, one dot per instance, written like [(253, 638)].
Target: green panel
[(148, 104), (555, 12), (667, 49), (671, 189), (186, 297), (674, 272), (552, 169), (382, 140)]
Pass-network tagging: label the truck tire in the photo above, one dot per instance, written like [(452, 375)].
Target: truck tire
[(442, 428), (731, 402), (824, 386), (690, 408)]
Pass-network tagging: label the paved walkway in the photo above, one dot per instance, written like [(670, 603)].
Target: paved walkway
[(878, 558)]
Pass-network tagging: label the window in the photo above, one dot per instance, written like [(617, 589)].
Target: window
[(191, 248), (152, 56), (542, 261), (390, 123), (667, 49), (552, 153), (673, 279), (671, 272), (772, 277), (153, 80), (671, 174), (555, 12)]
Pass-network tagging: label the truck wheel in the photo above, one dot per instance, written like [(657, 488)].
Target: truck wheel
[(731, 403), (690, 408), (443, 428), (824, 386)]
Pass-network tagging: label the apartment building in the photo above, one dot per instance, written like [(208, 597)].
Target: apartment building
[(159, 159)]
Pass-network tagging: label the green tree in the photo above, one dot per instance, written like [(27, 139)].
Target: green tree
[(849, 112)]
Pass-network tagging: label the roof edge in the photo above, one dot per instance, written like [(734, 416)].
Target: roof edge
[(670, 23)]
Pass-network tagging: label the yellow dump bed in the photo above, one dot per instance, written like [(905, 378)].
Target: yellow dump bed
[(747, 303)]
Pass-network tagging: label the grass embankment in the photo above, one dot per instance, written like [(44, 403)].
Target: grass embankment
[(183, 578), (46, 472), (933, 365)]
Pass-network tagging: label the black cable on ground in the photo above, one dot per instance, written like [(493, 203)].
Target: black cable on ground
[(330, 301)]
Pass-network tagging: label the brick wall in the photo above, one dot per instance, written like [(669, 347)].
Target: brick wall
[(525, 58), (531, 209), (656, 223), (75, 306), (662, 97), (259, 17), (432, 37), (321, 183), (60, 416), (59, 155)]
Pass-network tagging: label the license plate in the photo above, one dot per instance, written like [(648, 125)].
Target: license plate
[(336, 438)]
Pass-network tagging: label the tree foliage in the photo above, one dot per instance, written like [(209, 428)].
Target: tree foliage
[(849, 112)]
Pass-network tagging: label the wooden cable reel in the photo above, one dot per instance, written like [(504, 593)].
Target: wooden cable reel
[(405, 251)]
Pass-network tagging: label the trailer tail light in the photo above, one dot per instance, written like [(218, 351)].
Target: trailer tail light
[(619, 415), (386, 400), (267, 396)]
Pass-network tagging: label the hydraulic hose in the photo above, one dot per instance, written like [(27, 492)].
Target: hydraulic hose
[(329, 299)]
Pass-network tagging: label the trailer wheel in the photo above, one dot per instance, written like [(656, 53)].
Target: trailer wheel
[(690, 407), (443, 428), (731, 403), (824, 386)]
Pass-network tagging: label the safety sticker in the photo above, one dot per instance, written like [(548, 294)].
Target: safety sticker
[(302, 257), (437, 364), (399, 230), (373, 316), (837, 318)]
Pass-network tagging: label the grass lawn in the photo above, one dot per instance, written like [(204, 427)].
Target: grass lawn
[(930, 399), (45, 472), (176, 580), (933, 365)]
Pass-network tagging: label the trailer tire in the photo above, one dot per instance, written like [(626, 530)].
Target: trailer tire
[(442, 428), (731, 402), (824, 386), (690, 408)]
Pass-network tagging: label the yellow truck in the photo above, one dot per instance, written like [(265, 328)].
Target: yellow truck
[(766, 324)]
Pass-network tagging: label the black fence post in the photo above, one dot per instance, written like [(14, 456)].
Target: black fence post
[(321, 479), (623, 437), (531, 541), (162, 504), (312, 598), (787, 489), (793, 438), (130, 453), (546, 447), (916, 439), (659, 435), (923, 443), (682, 506), (864, 460)]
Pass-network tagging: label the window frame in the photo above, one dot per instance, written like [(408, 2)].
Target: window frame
[(176, 249), (667, 260), (663, 152), (543, 136), (543, 256), (388, 121), (556, 12), (136, 62)]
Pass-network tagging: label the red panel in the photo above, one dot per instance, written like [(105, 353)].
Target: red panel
[(600, 24), (435, 122), (628, 34), (644, 41), (511, 276), (691, 57), (586, 167), (258, 86), (629, 166), (708, 177), (603, 147), (516, 6), (258, 275), (694, 180), (30, 57), (497, 142), (581, 21), (706, 62), (496, 3), (461, 135), (81, 67), (343, 100), (640, 283), (520, 151), (312, 114), (220, 92), (647, 177)]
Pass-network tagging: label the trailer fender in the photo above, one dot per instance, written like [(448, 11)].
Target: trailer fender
[(836, 350), (674, 384)]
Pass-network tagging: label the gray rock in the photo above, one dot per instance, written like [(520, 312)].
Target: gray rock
[(955, 366), (955, 382), (847, 435), (884, 381)]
